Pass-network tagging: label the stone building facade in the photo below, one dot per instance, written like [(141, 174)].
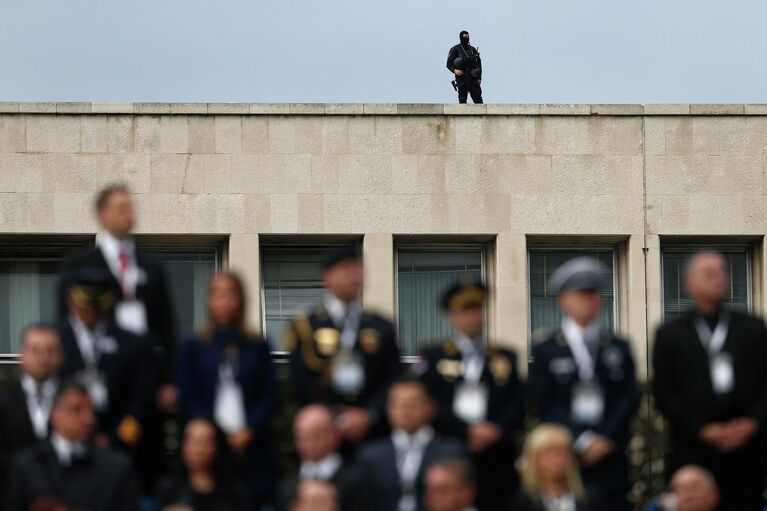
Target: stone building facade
[(642, 182)]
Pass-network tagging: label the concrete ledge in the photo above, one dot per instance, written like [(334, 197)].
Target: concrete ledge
[(522, 109), (626, 109)]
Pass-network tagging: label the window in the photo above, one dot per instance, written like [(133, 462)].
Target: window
[(292, 283), (188, 269), (423, 275), (737, 264), (544, 309), (28, 280)]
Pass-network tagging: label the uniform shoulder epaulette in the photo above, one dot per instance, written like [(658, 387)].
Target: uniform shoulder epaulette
[(450, 348)]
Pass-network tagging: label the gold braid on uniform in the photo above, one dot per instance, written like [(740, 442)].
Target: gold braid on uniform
[(305, 335)]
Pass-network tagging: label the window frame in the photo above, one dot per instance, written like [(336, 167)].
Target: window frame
[(32, 243), (296, 241), (71, 242), (444, 246), (724, 248), (587, 249)]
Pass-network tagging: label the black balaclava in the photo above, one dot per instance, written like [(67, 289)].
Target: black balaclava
[(464, 38)]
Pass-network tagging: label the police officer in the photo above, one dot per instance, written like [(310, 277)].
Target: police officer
[(710, 384), (479, 395), (342, 355), (583, 378), (118, 368), (464, 62)]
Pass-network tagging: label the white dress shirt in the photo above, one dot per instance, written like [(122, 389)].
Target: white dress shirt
[(408, 450), (39, 402), (578, 339), (473, 356), (65, 449), (111, 248), (564, 503), (323, 469)]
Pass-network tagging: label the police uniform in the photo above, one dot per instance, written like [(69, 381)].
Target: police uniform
[(476, 384), (343, 363), (118, 368), (585, 380)]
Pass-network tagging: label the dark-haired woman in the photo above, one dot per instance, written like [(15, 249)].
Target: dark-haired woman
[(205, 482), (226, 373)]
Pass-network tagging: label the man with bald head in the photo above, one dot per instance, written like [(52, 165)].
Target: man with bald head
[(694, 489), (318, 440), (710, 384), (25, 407)]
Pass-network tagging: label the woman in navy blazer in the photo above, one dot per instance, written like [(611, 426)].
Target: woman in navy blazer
[(226, 373)]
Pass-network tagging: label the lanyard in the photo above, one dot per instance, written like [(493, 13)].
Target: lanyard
[(581, 353), (351, 328), (713, 341)]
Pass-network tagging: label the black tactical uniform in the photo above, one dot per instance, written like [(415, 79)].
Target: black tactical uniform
[(465, 57)]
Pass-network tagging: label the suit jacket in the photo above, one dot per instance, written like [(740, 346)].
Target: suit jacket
[(153, 291), (130, 373), (16, 430), (441, 374), (102, 481), (311, 359), (174, 490), (198, 377), (379, 457), (684, 394), (554, 375), (524, 502), (357, 490)]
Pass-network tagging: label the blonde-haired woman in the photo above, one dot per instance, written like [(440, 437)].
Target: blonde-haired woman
[(550, 477)]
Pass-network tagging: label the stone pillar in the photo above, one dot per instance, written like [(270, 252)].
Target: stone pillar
[(378, 255), (509, 312), (245, 259)]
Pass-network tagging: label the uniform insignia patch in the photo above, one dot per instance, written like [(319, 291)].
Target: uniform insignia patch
[(327, 340), (370, 340), (449, 369), (500, 368)]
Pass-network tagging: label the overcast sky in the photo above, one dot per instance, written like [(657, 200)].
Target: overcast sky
[(538, 51)]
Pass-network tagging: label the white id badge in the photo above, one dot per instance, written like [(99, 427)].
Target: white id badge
[(588, 404), (470, 402), (348, 374), (131, 316), (229, 409), (722, 374)]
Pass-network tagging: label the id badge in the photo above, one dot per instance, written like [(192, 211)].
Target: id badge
[(131, 316), (229, 409), (588, 404), (348, 374), (722, 374), (470, 402), (97, 390)]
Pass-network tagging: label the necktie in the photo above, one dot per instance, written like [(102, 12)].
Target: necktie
[(124, 262)]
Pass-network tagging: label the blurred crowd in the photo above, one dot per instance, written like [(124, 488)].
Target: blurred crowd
[(459, 429)]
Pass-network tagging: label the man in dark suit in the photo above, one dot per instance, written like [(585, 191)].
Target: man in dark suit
[(398, 463), (118, 368), (25, 408), (342, 355), (480, 398), (710, 383), (67, 468), (144, 307), (318, 440), (584, 378)]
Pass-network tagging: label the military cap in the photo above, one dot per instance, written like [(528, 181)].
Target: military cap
[(464, 294), (92, 286), (581, 273), (340, 254)]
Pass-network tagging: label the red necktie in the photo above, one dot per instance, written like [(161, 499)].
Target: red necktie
[(124, 264)]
